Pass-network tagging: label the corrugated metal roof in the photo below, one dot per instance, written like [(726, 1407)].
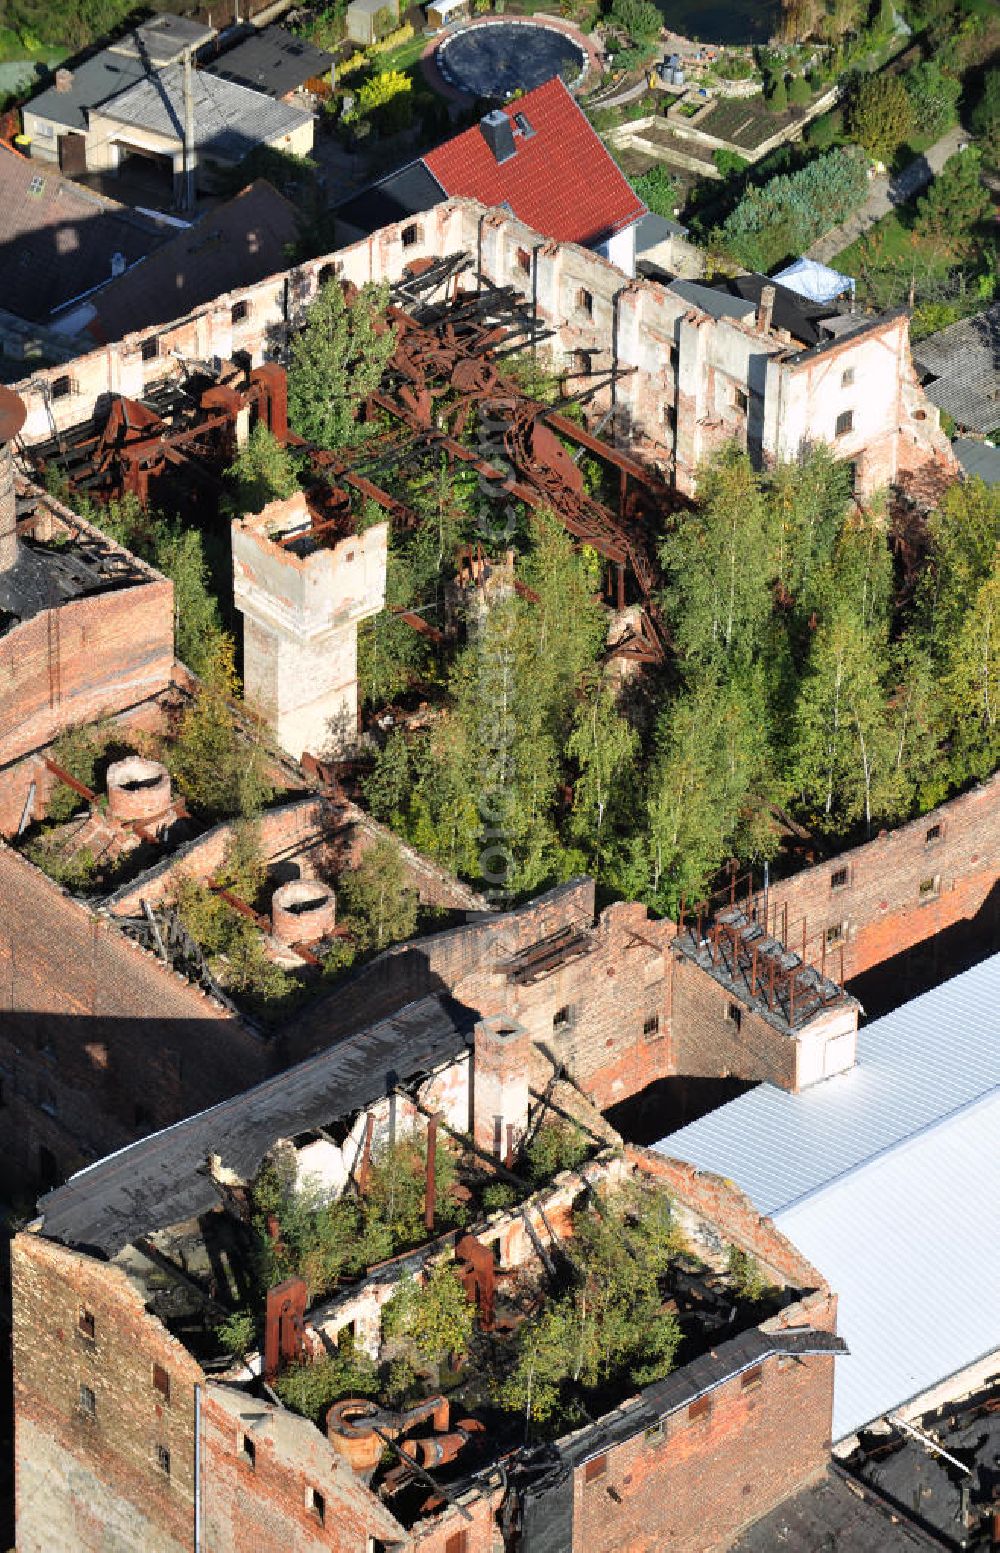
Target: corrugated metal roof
[(887, 1179), (229, 120)]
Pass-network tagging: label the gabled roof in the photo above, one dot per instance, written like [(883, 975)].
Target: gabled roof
[(406, 192), (980, 460), (272, 61), (233, 245), (57, 240), (963, 362), (230, 121), (560, 181), (886, 1178), (94, 81)]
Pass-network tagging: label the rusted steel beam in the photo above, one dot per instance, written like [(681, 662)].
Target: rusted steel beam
[(366, 1155), (69, 779)]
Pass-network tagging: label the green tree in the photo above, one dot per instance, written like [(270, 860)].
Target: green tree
[(336, 362), (217, 763), (964, 532), (719, 565), (933, 97), (777, 94), (374, 896), (312, 1387), (985, 118), (799, 95), (641, 19), (880, 114), (974, 678), (433, 1319), (955, 204), (604, 746), (660, 192), (261, 472)]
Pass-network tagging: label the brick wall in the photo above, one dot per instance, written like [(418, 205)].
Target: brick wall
[(87, 1482), (93, 1027), (692, 1486), (880, 907), (710, 1044)]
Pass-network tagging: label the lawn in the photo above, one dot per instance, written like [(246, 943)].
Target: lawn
[(402, 58), (894, 238)]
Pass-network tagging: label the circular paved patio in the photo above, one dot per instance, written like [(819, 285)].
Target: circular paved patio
[(495, 56)]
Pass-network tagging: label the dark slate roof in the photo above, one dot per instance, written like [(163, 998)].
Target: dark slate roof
[(793, 312), (830, 1514), (712, 300), (95, 80), (693, 1380), (980, 460), (272, 61), (163, 1180), (59, 242), (407, 192), (234, 245), (963, 365)]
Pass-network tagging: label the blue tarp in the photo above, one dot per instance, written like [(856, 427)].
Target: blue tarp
[(815, 282)]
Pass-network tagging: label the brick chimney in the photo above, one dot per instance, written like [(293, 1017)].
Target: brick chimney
[(765, 309), (12, 415), (64, 80), (500, 1083)]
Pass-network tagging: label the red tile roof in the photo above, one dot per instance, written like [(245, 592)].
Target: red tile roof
[(561, 180)]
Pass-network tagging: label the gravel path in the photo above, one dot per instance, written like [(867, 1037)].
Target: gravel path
[(886, 193)]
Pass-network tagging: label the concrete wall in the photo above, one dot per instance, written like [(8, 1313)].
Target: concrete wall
[(301, 615)]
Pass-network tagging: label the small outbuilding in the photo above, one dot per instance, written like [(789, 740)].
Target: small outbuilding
[(364, 20), (443, 12)]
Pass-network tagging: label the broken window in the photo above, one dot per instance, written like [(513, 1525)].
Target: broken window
[(87, 1326), (88, 1402), (929, 887), (239, 312), (585, 302), (835, 933), (651, 1024), (735, 1014), (839, 878), (845, 423), (410, 234), (524, 261), (61, 387), (150, 349), (701, 1407), (458, 1542), (595, 1468), (163, 1460), (248, 1450), (933, 834), (740, 400), (581, 363), (316, 1504), (161, 1380), (669, 417), (847, 377), (752, 1377), (561, 1017)]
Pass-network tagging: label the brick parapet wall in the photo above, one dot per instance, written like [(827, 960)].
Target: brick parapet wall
[(98, 1041), (85, 1482), (881, 903), (731, 1212)]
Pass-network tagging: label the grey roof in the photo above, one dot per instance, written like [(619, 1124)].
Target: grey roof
[(886, 1178), (163, 1180), (59, 241), (715, 303), (980, 460), (94, 81), (233, 245), (272, 61), (229, 120), (651, 230), (830, 1514), (165, 37), (963, 365), (406, 192)]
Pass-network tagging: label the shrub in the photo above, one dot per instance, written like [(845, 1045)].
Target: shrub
[(729, 163), (310, 1389), (880, 114), (639, 18), (556, 1146), (933, 97), (777, 97), (238, 1334), (433, 1319), (789, 212), (658, 190), (748, 1279), (393, 40), (799, 95), (824, 131), (382, 88)]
